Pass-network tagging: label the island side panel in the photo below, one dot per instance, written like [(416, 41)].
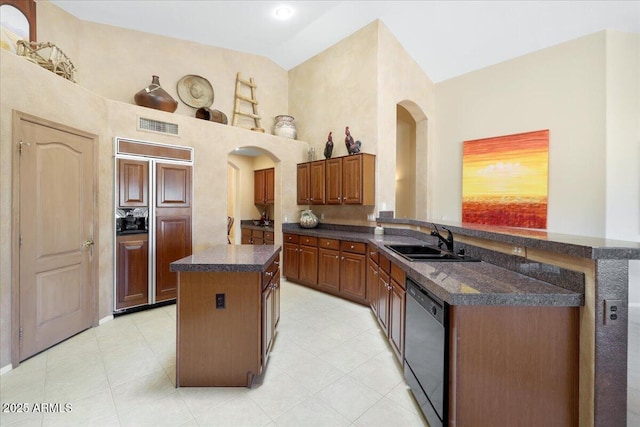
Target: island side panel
[(218, 347), (513, 366)]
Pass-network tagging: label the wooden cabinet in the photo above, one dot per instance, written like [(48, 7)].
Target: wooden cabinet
[(329, 264), (372, 278), (336, 181), (270, 308), (264, 186), (383, 299), (513, 366), (397, 298), (173, 224), (303, 183), (301, 259), (311, 183), (132, 281), (133, 183), (251, 236), (353, 270)]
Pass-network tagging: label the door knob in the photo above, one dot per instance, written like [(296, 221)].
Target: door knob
[(87, 243)]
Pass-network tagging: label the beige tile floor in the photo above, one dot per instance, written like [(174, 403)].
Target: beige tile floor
[(330, 366)]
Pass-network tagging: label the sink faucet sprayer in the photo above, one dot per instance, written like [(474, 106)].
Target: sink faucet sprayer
[(448, 241)]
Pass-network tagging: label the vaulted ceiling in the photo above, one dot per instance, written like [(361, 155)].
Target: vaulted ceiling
[(446, 38)]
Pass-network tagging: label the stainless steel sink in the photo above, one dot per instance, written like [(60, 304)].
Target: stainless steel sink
[(428, 253)]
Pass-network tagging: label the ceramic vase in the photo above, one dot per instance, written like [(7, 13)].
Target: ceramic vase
[(153, 96), (285, 127), (308, 219)]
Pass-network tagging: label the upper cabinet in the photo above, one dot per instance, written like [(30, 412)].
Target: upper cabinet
[(133, 180), (311, 183), (264, 186), (340, 180)]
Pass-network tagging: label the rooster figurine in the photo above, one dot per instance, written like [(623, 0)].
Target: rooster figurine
[(328, 148), (353, 147)]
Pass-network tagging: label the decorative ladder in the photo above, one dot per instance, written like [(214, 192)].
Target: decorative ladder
[(240, 83)]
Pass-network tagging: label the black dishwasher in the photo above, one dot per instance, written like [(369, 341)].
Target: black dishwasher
[(426, 353)]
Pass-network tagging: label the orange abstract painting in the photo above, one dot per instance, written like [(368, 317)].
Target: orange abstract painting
[(505, 180)]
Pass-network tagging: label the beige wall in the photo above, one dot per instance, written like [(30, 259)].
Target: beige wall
[(405, 202)]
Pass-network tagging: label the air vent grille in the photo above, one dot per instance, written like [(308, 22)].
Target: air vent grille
[(158, 126)]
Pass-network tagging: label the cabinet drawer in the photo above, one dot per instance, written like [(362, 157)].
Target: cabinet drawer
[(330, 244), (355, 247), (268, 235), (291, 238), (384, 263), (246, 232), (308, 241), (257, 234), (270, 273), (398, 275), (373, 253)]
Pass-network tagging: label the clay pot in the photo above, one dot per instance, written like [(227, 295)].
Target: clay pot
[(285, 127), (205, 113), (153, 96)]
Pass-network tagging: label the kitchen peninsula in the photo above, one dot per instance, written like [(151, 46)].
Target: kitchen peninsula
[(228, 307), (523, 272)]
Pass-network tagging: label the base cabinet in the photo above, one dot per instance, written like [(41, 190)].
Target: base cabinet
[(301, 259), (132, 282), (270, 308), (513, 366)]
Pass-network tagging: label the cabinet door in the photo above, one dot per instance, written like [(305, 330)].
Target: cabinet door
[(173, 186), (352, 180), (303, 182), (372, 285), (259, 179), (317, 182), (133, 183), (276, 299), (334, 181), (383, 300), (396, 318), (173, 242), (246, 236), (329, 269), (269, 186), (267, 322), (132, 271), (353, 275), (291, 261), (308, 269)]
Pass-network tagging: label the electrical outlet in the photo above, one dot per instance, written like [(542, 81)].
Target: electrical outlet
[(612, 309), (518, 250), (220, 301), (371, 217), (322, 215)]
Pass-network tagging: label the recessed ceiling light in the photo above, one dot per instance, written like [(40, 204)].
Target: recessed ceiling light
[(283, 12)]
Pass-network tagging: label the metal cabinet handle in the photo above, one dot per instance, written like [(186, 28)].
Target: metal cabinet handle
[(351, 246), (88, 243), (269, 273), (276, 262)]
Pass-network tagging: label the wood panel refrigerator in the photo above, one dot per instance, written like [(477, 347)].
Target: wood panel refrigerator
[(153, 198)]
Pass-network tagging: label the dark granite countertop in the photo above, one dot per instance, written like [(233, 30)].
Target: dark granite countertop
[(580, 246), (229, 258), (248, 223), (459, 283)]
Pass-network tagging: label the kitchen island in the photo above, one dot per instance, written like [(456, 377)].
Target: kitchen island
[(227, 311)]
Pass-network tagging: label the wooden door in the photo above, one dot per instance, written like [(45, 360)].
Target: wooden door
[(291, 261), (276, 298), (132, 266), (173, 224), (329, 269), (317, 182), (302, 184), (56, 221), (308, 272), (353, 275), (352, 180), (334, 181), (133, 183), (259, 179), (269, 186)]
